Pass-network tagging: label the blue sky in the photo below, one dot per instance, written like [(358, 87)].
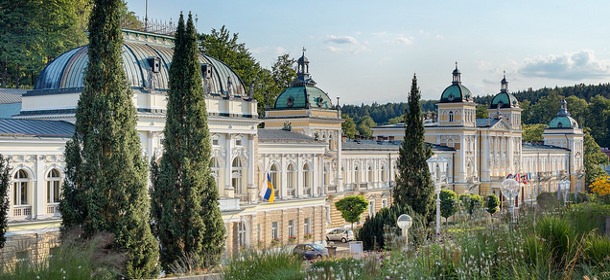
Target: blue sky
[(366, 51)]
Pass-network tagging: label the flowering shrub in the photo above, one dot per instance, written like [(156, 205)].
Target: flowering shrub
[(601, 185), (308, 235)]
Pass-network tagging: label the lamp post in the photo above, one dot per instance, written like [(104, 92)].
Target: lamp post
[(404, 222), (510, 189), (438, 173)]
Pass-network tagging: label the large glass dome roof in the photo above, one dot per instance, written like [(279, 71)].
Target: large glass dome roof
[(140, 51)]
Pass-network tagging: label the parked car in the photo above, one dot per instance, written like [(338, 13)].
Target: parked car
[(343, 235), (310, 251)]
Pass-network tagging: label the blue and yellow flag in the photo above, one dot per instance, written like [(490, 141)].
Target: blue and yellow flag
[(268, 193)]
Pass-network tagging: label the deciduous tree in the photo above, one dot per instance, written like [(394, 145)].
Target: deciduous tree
[(449, 203), (351, 207)]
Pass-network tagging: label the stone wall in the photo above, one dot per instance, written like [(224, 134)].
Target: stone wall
[(29, 247)]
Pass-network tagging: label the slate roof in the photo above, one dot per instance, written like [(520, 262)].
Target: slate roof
[(528, 146), (354, 145), (11, 95), (284, 136), (486, 122), (37, 128)]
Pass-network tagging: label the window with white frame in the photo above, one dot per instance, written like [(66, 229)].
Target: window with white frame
[(238, 141), (291, 229), (307, 180), (274, 233), (241, 231), (371, 174), (274, 173), (236, 176), (215, 168), (371, 208), (384, 203), (53, 186), (306, 227), (291, 181), (215, 140), (21, 188)]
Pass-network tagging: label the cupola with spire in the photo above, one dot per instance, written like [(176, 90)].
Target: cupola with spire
[(504, 99), (456, 92), (302, 92), (563, 118)]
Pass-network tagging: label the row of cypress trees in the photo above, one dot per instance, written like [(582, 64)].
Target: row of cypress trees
[(105, 188)]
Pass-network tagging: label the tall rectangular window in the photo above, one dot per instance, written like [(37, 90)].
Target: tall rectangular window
[(291, 228), (306, 226), (274, 233)]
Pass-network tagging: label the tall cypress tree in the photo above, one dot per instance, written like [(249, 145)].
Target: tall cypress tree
[(105, 185), (413, 184), (4, 204), (187, 217)]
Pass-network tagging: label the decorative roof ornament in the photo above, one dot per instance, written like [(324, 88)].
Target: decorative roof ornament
[(504, 84), (498, 114), (563, 112), (457, 76), (303, 78)]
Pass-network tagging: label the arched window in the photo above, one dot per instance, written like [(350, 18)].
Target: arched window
[(291, 183), (384, 174), (53, 186), (236, 176), (275, 179), (450, 116), (371, 175), (307, 180), (21, 188), (215, 168)]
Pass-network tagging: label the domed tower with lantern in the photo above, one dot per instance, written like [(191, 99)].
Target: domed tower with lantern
[(563, 131), (456, 128)]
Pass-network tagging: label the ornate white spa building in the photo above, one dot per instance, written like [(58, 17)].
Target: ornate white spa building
[(300, 147)]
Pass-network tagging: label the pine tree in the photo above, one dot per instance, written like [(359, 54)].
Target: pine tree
[(413, 184), (185, 198), (105, 185), (4, 203)]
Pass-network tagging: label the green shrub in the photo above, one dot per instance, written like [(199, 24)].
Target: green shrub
[(586, 217), (548, 201)]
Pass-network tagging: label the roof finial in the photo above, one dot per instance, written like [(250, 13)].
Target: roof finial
[(504, 84), (457, 79)]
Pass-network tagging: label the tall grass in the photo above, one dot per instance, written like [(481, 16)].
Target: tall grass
[(71, 260), (260, 265)]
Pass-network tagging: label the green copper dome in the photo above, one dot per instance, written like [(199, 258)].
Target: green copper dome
[(456, 92), (504, 99), (303, 92), (299, 97), (563, 119)]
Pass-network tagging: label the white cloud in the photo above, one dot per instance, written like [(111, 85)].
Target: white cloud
[(342, 44), (405, 40), (569, 66), (341, 39)]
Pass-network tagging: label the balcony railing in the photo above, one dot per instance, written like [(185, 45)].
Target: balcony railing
[(22, 211), (53, 208), (332, 188), (229, 204)]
